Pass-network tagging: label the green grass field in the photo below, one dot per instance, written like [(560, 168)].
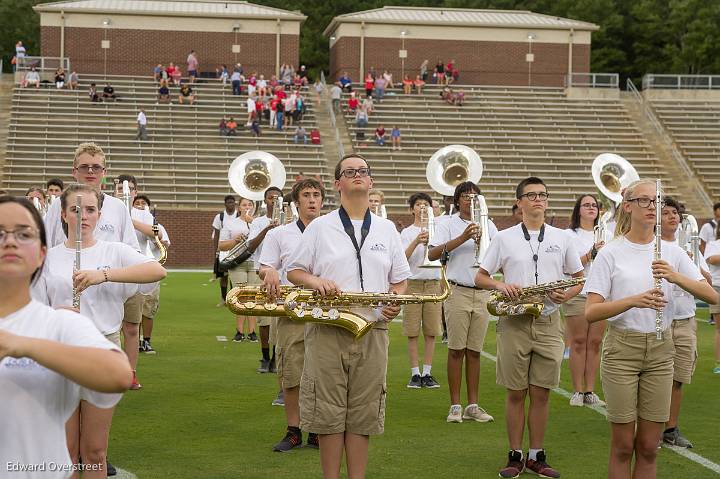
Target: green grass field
[(205, 413)]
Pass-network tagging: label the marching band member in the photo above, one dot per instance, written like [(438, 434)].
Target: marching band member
[(414, 239), (218, 223), (708, 230), (37, 192), (258, 229), (466, 313), (585, 338), (308, 194), (530, 351), (49, 359), (637, 367), (377, 200), (712, 256), (105, 280), (343, 386), (54, 187)]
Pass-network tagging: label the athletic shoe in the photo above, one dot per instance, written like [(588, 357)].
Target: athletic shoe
[(221, 304), (148, 347), (253, 337), (280, 399), (540, 466), (290, 441), (577, 399), (515, 465), (455, 414), (415, 382), (566, 353), (711, 321), (239, 337), (110, 470), (312, 441), (142, 346), (476, 413), (592, 399), (272, 368), (444, 338), (716, 369), (429, 382), (264, 366), (135, 384), (674, 438)]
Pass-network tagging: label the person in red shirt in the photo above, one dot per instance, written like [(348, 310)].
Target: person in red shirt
[(407, 85), (352, 102), (273, 111), (380, 135), (369, 84)]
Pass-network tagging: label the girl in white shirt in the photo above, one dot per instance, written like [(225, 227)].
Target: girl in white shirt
[(637, 368), (48, 359), (107, 279), (584, 338)]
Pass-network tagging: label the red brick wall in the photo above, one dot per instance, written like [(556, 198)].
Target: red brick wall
[(136, 52), (480, 63), (189, 232)]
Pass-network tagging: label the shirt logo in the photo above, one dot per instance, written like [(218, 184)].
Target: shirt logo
[(553, 248), (20, 363), (107, 227), (378, 247)]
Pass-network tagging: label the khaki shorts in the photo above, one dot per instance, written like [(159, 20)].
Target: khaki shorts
[(637, 373), (343, 384), (429, 315), (529, 351), (467, 318), (273, 330), (243, 274), (684, 335), (265, 321), (715, 308), (290, 351), (114, 338), (133, 309), (151, 304), (574, 307)]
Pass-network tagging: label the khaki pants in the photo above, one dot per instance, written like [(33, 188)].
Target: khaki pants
[(133, 309), (427, 315), (684, 335), (290, 351), (467, 318)]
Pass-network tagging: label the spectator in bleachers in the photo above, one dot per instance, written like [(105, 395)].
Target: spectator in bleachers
[(177, 76), (262, 86), (346, 82), (273, 83), (239, 68), (186, 94), (222, 127), (193, 66), (387, 76), (361, 118), (109, 93), (59, 78), (449, 72), (380, 135), (298, 82), (54, 187), (395, 137), (157, 72), (231, 126), (32, 78), (20, 53), (352, 102), (142, 126), (300, 135), (336, 96), (299, 112), (315, 136), (255, 128), (74, 80), (280, 113), (273, 111), (252, 84), (407, 85), (163, 92), (439, 73), (372, 73), (455, 75), (369, 84), (236, 80), (369, 105), (303, 74), (223, 74), (380, 84), (287, 73), (419, 84), (290, 104), (251, 109), (170, 70), (424, 70), (164, 76), (92, 92)]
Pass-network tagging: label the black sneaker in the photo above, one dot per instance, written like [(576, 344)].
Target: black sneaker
[(312, 441), (429, 382), (253, 337), (142, 346), (239, 337), (272, 368), (415, 382), (264, 366), (147, 347), (110, 470), (290, 441), (515, 465)]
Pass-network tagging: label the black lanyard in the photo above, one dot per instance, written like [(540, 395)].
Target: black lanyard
[(300, 225), (541, 237), (350, 230)]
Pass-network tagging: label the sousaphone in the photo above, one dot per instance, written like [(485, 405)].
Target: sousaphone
[(612, 174)]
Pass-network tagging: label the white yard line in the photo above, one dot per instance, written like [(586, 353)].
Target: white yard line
[(697, 458)]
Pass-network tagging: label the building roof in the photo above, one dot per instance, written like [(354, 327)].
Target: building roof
[(202, 8), (460, 17)]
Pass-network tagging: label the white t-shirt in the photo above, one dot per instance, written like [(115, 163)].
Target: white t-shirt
[(459, 267), (35, 401), (713, 249), (583, 241), (707, 232), (145, 217), (250, 105), (102, 303), (327, 251), (142, 119), (256, 227), (278, 247), (407, 236), (231, 228), (683, 302), (513, 254), (218, 224), (114, 224), (623, 269)]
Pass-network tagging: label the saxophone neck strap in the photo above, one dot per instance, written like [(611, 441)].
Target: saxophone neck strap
[(350, 230), (535, 257), (300, 225)]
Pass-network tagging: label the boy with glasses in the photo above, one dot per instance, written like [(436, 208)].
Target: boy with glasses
[(530, 350)]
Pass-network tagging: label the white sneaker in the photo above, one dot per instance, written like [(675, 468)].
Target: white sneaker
[(592, 399), (577, 399), (455, 414), (477, 413)]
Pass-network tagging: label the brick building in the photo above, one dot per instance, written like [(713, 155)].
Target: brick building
[(490, 47), (130, 37)]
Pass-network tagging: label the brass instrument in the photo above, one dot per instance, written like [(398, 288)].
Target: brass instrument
[(530, 300), (689, 238), (379, 210), (294, 211), (452, 165), (427, 220), (38, 206), (479, 216), (612, 174), (657, 256), (251, 173), (306, 305), (159, 252), (78, 248)]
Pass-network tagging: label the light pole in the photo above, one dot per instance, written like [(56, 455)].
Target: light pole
[(105, 45), (402, 54), (530, 58)]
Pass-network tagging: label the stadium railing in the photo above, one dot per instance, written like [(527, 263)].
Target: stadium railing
[(333, 120), (592, 80), (678, 82)]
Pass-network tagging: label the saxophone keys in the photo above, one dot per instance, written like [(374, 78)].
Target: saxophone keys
[(333, 314), (316, 312), (249, 305), (300, 313), (270, 306)]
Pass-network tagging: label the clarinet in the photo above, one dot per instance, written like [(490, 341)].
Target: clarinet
[(658, 281), (78, 247)]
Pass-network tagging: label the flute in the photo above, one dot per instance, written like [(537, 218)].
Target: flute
[(78, 247), (658, 281)]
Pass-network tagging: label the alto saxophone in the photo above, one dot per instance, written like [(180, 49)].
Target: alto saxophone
[(530, 299), (306, 305)]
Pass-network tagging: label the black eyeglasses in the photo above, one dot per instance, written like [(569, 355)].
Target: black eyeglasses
[(532, 196), (24, 235), (645, 202), (352, 172), (85, 169), (589, 205)]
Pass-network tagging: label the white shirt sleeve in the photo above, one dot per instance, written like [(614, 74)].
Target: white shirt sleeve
[(712, 249), (572, 258), (400, 269), (492, 262), (706, 233), (600, 279), (441, 234), (128, 231), (216, 224), (53, 228), (406, 237), (270, 255), (255, 229)]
